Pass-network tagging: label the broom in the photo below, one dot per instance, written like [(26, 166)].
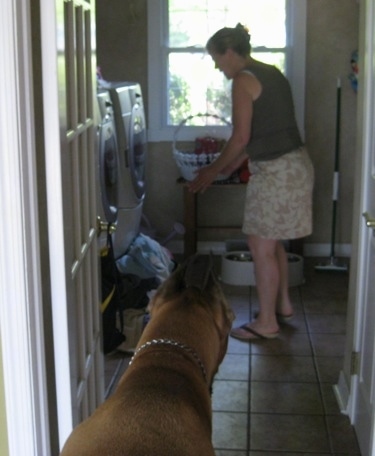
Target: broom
[(334, 264)]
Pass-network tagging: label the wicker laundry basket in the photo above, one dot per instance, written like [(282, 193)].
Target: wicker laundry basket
[(189, 161)]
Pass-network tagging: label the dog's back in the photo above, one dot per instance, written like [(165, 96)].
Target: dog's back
[(157, 413), (162, 405)]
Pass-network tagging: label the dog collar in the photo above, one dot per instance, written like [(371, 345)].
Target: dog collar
[(172, 343)]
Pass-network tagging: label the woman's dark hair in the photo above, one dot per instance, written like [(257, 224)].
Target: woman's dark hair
[(237, 39)]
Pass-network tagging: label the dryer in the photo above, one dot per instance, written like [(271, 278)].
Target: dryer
[(126, 220), (130, 124)]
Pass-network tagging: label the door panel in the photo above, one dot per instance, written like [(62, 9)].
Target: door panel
[(76, 58)]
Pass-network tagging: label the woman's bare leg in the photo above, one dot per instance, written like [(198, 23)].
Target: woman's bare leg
[(266, 270), (284, 306), (266, 267), (271, 274)]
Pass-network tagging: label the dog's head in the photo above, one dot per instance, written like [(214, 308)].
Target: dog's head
[(195, 281)]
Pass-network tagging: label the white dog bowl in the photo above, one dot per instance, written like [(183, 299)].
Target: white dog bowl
[(237, 268)]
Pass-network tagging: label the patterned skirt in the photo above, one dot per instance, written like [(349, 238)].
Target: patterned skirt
[(278, 201)]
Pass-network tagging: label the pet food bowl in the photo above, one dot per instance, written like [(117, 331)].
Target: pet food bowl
[(237, 268)]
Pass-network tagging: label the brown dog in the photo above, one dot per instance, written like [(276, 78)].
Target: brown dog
[(162, 405)]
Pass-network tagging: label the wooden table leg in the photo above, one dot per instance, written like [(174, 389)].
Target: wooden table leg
[(190, 222)]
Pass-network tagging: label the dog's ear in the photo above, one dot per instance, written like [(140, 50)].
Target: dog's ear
[(222, 311), (198, 271), (168, 289)]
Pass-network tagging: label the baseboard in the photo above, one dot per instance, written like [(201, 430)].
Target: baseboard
[(341, 391), (309, 250), (324, 250)]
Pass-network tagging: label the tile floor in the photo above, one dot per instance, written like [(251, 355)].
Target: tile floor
[(275, 397)]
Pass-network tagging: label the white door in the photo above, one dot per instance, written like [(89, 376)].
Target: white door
[(363, 385), (71, 182)]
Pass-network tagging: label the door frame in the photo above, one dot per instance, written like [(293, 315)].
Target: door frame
[(54, 188), (21, 289), (366, 141), (347, 386)]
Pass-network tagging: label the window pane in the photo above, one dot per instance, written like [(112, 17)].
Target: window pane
[(273, 58), (196, 87), (192, 22)]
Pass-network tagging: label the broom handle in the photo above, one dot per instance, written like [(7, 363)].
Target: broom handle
[(336, 166)]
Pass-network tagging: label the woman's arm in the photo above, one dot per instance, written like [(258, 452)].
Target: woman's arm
[(234, 165), (244, 87)]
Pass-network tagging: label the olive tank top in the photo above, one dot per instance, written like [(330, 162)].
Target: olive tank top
[(274, 130)]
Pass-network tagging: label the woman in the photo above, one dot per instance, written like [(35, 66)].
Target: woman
[(278, 202)]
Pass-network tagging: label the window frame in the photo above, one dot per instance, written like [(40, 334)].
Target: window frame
[(157, 11)]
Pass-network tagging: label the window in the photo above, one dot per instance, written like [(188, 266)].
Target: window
[(182, 77)]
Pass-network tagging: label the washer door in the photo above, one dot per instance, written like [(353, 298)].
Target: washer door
[(137, 150), (108, 171)]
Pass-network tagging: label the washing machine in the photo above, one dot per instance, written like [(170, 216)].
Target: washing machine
[(108, 159), (128, 109)]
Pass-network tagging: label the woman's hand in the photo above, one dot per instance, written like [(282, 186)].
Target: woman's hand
[(205, 177)]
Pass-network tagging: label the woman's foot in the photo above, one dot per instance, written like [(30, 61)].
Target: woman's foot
[(283, 318), (280, 317), (284, 312), (249, 332)]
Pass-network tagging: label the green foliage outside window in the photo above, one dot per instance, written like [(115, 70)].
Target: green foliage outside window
[(194, 84)]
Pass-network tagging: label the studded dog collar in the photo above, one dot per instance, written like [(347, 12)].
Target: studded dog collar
[(175, 344)]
